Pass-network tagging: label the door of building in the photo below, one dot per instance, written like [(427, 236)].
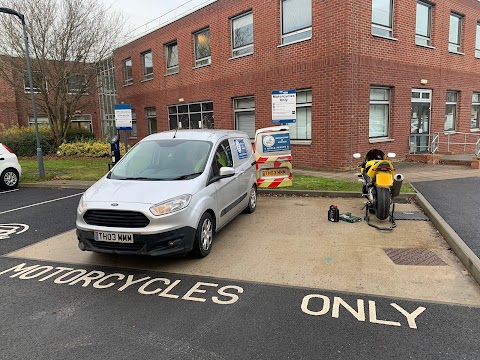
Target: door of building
[(420, 121)]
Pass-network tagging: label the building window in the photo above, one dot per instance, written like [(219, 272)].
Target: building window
[(379, 121), (77, 84), (171, 57), (455, 33), (191, 116), (133, 132), (147, 63), (244, 110), (242, 34), (41, 120), (451, 111), (127, 72), (202, 47), (296, 20), (474, 120), (424, 24), (38, 81), (477, 42), (151, 120), (382, 18), (83, 121), (302, 128)]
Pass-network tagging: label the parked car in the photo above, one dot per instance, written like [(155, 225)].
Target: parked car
[(10, 169), (170, 194)]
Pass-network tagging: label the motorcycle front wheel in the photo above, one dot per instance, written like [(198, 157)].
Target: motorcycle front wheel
[(383, 201)]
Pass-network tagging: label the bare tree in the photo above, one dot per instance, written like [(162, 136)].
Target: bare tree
[(67, 38)]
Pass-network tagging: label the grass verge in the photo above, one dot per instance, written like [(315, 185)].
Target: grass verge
[(91, 169)]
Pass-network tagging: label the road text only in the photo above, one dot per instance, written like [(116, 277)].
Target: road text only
[(319, 305), (163, 287)]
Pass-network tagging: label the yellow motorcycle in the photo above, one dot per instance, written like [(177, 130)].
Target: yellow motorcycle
[(380, 186)]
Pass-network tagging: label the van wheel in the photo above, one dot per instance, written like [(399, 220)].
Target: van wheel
[(203, 237), (9, 179), (252, 200)]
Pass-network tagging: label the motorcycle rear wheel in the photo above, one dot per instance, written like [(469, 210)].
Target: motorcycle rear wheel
[(383, 202)]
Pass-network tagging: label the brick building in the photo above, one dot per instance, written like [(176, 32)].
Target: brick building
[(380, 73), (16, 105)]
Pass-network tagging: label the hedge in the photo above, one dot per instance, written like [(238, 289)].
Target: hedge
[(87, 148), (23, 141)]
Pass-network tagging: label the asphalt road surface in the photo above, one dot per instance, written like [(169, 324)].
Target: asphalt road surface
[(458, 203), (54, 310)]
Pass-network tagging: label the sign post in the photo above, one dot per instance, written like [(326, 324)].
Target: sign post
[(123, 120), (284, 106)]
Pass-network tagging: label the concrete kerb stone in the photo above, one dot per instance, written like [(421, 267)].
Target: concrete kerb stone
[(463, 252)]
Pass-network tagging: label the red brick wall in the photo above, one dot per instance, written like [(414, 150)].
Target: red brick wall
[(339, 64), (8, 105)]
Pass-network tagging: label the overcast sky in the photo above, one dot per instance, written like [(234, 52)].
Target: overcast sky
[(140, 12)]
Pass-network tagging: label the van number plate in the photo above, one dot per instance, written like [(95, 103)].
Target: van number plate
[(113, 237), (277, 172)]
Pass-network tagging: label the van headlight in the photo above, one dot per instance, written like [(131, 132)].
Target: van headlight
[(82, 205), (172, 205)]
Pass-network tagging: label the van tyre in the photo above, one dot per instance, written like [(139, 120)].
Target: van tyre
[(9, 179), (252, 200), (202, 243), (382, 206)]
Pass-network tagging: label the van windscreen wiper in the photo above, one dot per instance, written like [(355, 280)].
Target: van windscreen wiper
[(185, 177)]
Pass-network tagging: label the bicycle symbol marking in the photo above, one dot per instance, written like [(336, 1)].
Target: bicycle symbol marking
[(6, 230)]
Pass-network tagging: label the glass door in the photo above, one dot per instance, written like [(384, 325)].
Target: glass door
[(420, 121)]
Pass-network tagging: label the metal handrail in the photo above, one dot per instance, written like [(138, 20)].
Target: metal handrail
[(477, 147), (436, 141)]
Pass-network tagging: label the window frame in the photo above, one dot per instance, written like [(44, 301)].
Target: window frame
[(427, 38), (307, 30), (82, 91), (477, 106), (206, 60), (459, 33), (203, 113), (477, 41), (381, 102), (151, 116), (243, 47), (455, 103), (147, 75), (175, 69), (293, 127), (26, 82), (389, 29), (127, 75), (134, 132), (243, 110)]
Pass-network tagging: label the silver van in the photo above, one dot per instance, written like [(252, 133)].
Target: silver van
[(170, 194)]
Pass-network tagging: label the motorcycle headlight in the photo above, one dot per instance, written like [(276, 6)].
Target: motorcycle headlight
[(82, 205), (172, 205)]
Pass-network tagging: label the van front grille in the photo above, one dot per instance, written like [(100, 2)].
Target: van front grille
[(116, 218)]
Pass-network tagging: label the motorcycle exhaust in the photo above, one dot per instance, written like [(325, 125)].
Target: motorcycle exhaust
[(397, 184)]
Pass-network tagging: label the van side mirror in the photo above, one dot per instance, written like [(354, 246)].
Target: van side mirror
[(226, 171)]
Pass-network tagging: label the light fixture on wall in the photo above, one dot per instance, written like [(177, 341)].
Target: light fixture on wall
[(424, 81)]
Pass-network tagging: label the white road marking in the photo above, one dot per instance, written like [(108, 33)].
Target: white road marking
[(4, 192), (40, 203), (8, 229)]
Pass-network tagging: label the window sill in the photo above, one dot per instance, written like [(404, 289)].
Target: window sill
[(172, 73), (201, 66), (145, 80), (456, 52), (426, 46), (295, 42), (385, 37), (240, 56), (129, 84), (301, 142), (379, 140), (475, 130), (132, 138)]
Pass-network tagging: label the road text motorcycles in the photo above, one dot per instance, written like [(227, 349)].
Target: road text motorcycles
[(380, 186)]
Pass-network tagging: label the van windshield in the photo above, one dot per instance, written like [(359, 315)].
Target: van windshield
[(168, 159)]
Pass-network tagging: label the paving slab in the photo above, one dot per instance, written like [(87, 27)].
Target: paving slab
[(289, 241)]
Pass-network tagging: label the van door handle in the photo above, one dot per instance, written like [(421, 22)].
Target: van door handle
[(2, 158)]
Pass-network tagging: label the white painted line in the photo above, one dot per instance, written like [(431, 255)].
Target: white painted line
[(40, 203), (4, 192)]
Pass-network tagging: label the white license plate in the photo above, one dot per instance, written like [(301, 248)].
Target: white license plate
[(113, 237), (277, 172)]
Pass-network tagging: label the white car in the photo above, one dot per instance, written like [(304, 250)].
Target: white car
[(170, 194), (10, 169)]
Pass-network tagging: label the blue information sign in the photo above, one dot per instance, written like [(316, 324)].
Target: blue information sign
[(276, 142)]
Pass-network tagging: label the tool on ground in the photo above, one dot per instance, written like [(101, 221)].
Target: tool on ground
[(348, 217)]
